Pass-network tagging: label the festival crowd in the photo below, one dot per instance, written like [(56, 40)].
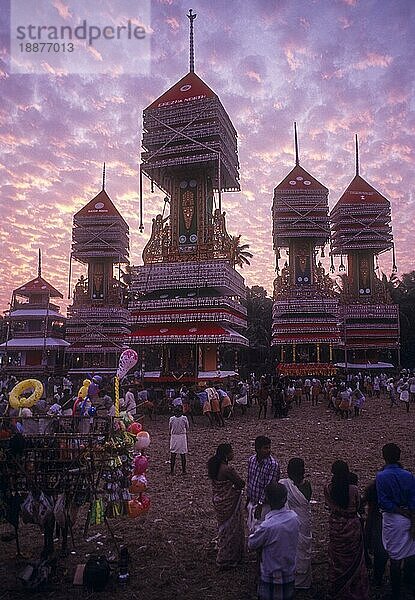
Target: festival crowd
[(274, 396), (364, 531)]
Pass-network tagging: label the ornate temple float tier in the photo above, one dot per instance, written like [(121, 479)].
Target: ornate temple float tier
[(361, 220), (213, 274), (207, 137), (300, 210)]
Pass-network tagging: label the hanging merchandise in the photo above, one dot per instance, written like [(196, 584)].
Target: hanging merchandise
[(128, 360)]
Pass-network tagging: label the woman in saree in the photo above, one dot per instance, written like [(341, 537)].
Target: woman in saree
[(227, 489), (347, 570), (298, 499)]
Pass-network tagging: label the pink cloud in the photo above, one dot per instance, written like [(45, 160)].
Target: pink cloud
[(173, 23), (342, 77), (62, 9), (373, 60)]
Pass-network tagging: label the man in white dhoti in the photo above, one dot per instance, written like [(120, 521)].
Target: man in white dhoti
[(396, 496), (178, 428), (298, 500)]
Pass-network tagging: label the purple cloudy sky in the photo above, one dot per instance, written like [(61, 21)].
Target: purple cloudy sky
[(335, 66)]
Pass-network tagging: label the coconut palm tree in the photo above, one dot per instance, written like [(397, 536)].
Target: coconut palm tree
[(239, 252)]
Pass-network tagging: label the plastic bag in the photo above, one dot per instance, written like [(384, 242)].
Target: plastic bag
[(45, 509), (28, 509), (59, 511), (37, 510)]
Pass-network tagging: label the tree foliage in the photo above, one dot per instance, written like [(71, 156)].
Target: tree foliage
[(402, 292), (240, 254), (259, 309)]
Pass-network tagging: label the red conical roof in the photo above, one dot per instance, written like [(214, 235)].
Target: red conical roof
[(190, 87), (360, 191), (38, 286), (100, 205), (299, 180), (361, 220)]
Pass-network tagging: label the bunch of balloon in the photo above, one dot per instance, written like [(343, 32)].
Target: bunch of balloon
[(140, 502), (128, 360), (81, 405)]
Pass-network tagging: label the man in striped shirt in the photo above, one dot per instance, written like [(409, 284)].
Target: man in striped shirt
[(263, 469)]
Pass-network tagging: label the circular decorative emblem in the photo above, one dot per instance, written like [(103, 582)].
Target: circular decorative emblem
[(361, 291), (299, 178), (293, 182), (185, 88), (300, 279), (305, 279), (367, 290), (193, 330), (183, 185), (182, 239), (306, 182), (193, 238), (164, 330), (193, 183), (99, 205)]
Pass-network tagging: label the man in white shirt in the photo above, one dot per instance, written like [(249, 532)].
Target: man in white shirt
[(277, 538), (130, 405), (178, 428)]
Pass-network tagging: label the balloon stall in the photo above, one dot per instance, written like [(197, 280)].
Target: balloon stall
[(104, 467)]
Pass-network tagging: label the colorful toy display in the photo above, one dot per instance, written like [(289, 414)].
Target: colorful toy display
[(140, 502), (83, 390), (17, 400)]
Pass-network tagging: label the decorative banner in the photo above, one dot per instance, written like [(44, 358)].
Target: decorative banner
[(127, 361), (305, 369), (188, 214)]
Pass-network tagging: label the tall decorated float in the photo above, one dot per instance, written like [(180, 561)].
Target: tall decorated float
[(186, 299), (98, 319), (361, 230), (305, 328)]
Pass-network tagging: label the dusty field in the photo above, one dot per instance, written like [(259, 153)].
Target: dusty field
[(172, 548)]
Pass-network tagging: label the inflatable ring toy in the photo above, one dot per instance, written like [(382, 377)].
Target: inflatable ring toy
[(17, 401)]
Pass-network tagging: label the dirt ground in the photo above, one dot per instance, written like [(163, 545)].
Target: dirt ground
[(172, 549)]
